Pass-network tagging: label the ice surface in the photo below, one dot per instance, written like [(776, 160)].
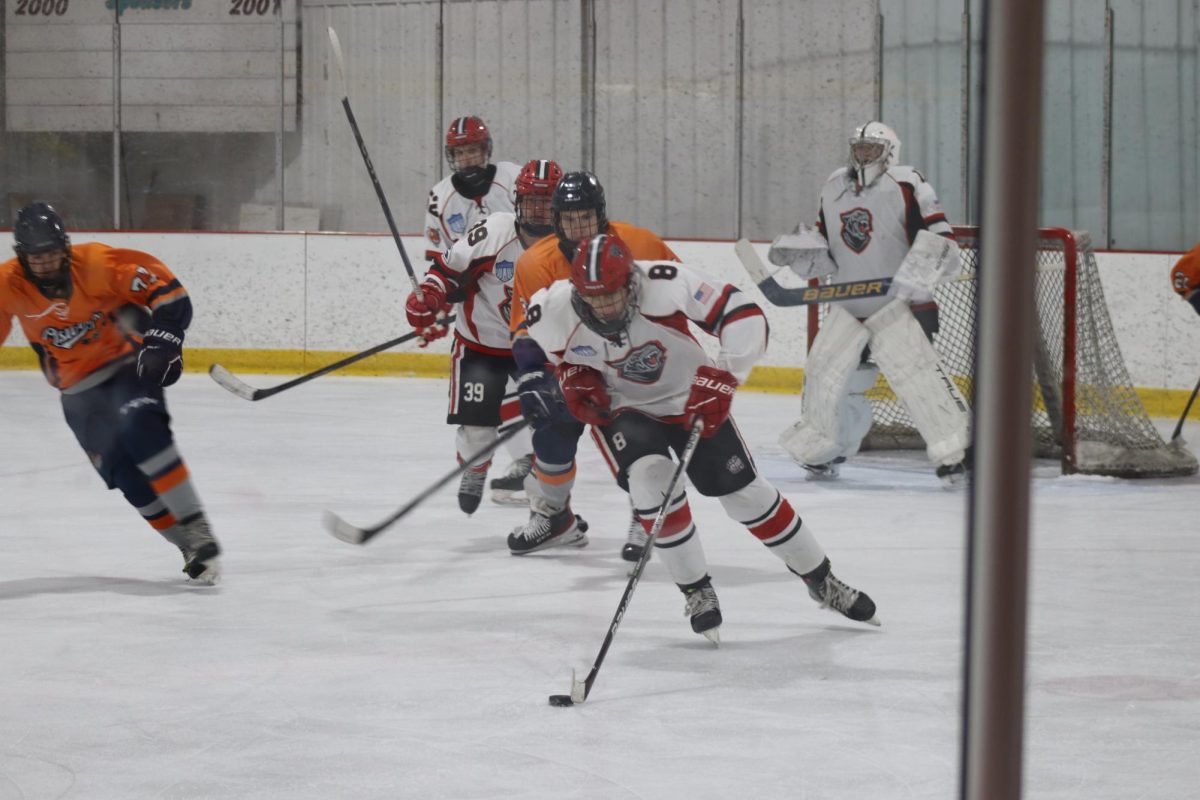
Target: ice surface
[(419, 665)]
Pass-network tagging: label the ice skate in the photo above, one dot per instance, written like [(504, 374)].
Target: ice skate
[(470, 488), (952, 475), (199, 547), (560, 529), (635, 541), (826, 589), (509, 488), (824, 472), (703, 609)]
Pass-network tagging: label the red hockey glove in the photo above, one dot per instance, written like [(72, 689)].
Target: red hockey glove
[(422, 310), (585, 394), (711, 397)]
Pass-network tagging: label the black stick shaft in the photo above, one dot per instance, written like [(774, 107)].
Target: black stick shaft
[(370, 533), (1186, 409), (684, 459)]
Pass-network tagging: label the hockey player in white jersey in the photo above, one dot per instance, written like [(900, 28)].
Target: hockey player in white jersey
[(627, 364), (475, 188), (476, 277), (877, 220)]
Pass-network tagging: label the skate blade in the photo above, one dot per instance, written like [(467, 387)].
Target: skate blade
[(210, 575), (713, 635), (505, 497)]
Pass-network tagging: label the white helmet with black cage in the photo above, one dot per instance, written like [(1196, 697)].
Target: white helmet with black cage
[(874, 148)]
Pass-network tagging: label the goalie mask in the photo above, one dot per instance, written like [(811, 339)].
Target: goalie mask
[(534, 191), (873, 148), (43, 248), (604, 285)]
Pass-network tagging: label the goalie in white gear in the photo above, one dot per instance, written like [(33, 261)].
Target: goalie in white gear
[(876, 220)]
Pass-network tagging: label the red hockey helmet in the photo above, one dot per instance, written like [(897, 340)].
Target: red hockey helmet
[(534, 189), (602, 277), (472, 135)]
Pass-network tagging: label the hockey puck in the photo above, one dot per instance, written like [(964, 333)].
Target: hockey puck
[(561, 700)]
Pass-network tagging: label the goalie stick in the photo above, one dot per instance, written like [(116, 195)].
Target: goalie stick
[(230, 382), (354, 535), (580, 689), (336, 47), (782, 296)]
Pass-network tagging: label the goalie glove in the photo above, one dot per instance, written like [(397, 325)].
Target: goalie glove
[(932, 260), (806, 252)]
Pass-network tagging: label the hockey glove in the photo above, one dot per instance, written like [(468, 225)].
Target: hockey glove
[(541, 402), (423, 311), (711, 398), (160, 361), (585, 393)]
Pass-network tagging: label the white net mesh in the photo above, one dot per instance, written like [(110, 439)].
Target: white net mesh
[(1113, 434)]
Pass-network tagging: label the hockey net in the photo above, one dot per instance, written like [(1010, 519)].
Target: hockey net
[(1085, 410)]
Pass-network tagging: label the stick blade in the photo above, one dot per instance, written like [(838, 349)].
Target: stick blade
[(339, 61), (231, 383), (750, 260), (578, 689), (340, 529)]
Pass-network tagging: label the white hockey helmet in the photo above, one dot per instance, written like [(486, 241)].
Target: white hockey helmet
[(873, 148)]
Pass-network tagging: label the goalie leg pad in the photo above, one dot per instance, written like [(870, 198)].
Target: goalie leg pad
[(833, 359), (916, 374)]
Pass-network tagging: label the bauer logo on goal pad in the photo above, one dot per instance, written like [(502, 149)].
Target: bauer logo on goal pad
[(856, 229)]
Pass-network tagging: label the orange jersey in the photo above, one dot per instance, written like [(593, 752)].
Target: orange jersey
[(1185, 275), (78, 335), (544, 263)]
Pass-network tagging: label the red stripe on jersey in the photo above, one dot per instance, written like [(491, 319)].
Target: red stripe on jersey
[(783, 518), (481, 348), (742, 313), (719, 307), (676, 322), (935, 218)]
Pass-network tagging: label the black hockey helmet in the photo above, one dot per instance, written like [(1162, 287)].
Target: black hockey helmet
[(39, 229), (578, 191)]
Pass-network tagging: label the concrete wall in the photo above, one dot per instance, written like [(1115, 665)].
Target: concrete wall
[(339, 292)]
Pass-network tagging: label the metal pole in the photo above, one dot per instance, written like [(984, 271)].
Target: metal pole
[(1106, 160), (279, 198), (878, 63), (116, 132), (739, 132), (964, 167), (998, 542), (439, 92), (587, 89)]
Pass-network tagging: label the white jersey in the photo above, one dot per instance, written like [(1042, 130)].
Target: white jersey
[(870, 233), (448, 215), (478, 276), (652, 367)]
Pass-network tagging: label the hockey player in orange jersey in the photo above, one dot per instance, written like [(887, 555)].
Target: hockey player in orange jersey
[(67, 299), (1185, 277), (579, 212)]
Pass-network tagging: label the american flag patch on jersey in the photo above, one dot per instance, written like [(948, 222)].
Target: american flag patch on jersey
[(703, 293)]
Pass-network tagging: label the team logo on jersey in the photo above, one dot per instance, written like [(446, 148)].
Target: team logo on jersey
[(584, 350), (60, 310), (735, 465), (856, 229), (503, 270), (434, 236), (457, 223), (644, 364), (71, 335)]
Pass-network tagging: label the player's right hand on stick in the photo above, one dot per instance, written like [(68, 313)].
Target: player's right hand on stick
[(422, 309), (585, 394), (711, 398), (541, 401)]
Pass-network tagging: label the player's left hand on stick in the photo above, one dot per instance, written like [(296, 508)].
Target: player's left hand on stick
[(541, 401), (711, 398), (423, 311), (160, 361), (585, 393)]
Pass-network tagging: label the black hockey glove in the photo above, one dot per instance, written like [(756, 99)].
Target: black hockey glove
[(541, 400), (160, 361)]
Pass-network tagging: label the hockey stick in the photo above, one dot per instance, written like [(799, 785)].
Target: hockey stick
[(1186, 409), (580, 689), (782, 296), (349, 533), (230, 382), (336, 46)]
